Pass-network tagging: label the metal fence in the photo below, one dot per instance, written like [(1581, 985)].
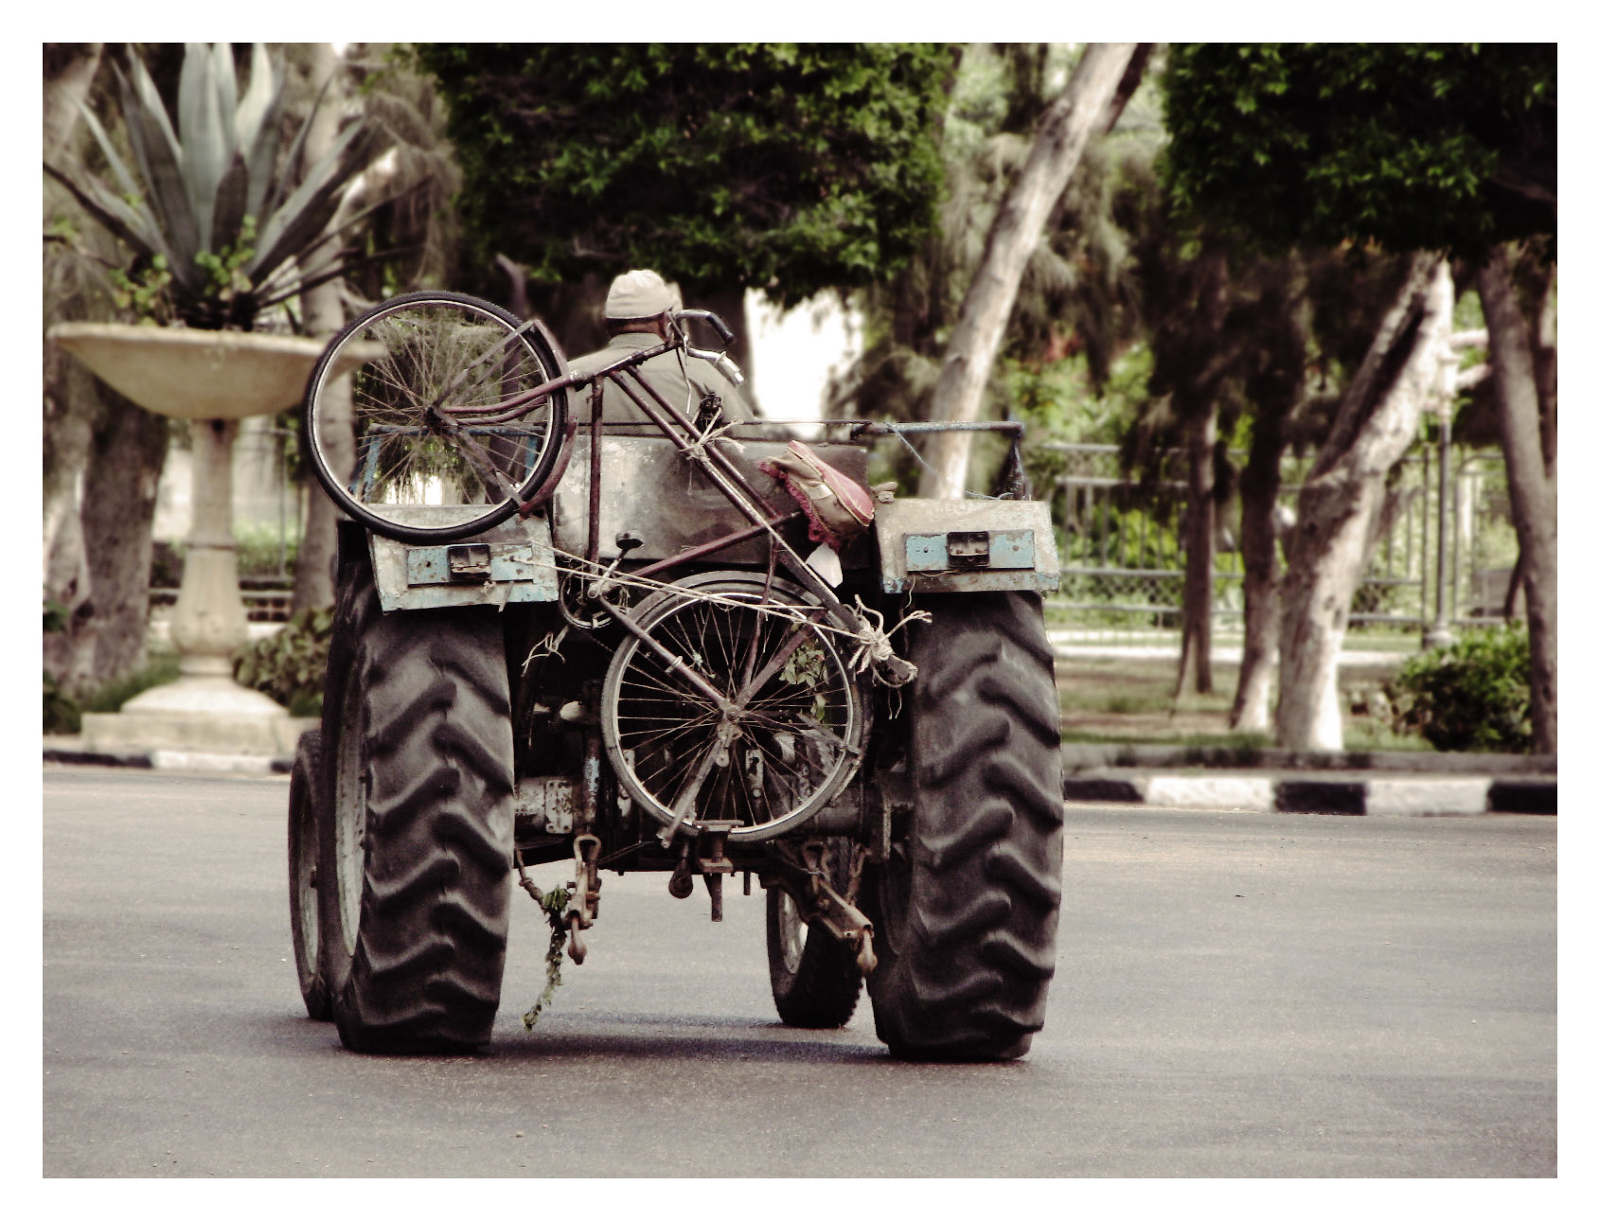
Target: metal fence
[(1122, 543)]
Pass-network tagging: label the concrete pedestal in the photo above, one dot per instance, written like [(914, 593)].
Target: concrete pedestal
[(207, 715), (213, 379)]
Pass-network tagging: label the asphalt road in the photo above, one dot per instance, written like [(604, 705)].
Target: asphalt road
[(1237, 995)]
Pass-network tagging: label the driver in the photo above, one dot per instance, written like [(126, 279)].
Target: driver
[(638, 309)]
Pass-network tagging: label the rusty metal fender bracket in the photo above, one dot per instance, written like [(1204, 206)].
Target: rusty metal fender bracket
[(807, 884)]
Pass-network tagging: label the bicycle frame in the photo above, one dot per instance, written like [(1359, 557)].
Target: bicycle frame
[(675, 426), (780, 636)]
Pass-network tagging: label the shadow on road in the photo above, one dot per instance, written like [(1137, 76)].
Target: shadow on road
[(668, 1038)]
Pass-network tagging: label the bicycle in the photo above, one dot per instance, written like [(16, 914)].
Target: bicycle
[(461, 412)]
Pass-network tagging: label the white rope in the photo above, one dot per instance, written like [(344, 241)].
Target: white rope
[(872, 642), (696, 449), (874, 647), (550, 646), (923, 463)]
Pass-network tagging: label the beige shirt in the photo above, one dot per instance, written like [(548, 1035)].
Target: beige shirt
[(663, 374)]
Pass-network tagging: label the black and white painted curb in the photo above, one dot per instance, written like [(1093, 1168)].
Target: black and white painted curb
[(168, 760), (1376, 796), (1384, 794)]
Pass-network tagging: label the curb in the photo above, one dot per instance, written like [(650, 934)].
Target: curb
[(1415, 797), (170, 760), (1080, 755), (1367, 796)]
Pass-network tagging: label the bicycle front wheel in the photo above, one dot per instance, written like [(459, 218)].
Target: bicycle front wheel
[(414, 443)]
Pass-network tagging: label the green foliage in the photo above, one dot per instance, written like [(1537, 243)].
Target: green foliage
[(62, 713), (553, 904), (792, 168), (218, 229), (1061, 400), (1410, 146), (266, 556), (290, 664), (264, 552), (145, 292), (166, 564), (806, 667), (1077, 298), (1473, 695)]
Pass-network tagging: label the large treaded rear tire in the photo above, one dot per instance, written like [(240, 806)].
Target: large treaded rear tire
[(967, 905), (415, 877)]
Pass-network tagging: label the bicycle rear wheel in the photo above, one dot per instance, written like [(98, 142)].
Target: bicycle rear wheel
[(788, 743), (418, 360)]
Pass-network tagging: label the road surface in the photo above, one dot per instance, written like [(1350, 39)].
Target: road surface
[(1237, 995)]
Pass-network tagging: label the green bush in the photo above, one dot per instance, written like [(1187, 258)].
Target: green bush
[(62, 713), (1473, 695), (264, 552), (290, 664)]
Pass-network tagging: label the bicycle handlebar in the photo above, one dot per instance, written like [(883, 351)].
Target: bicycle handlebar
[(718, 361), (717, 323)]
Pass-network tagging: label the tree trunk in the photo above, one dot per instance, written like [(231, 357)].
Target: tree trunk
[(1200, 526), (727, 303), (107, 632), (324, 314), (69, 71), (1375, 424), (70, 408), (1064, 131), (572, 310), (102, 462), (1259, 484), (1530, 474)]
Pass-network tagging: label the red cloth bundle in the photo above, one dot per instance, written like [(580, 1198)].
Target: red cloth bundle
[(837, 507)]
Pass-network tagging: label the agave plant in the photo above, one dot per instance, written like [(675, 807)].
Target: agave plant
[(220, 232)]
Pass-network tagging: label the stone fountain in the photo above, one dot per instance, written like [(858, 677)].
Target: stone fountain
[(213, 379)]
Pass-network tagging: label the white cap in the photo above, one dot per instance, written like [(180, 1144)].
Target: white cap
[(640, 294)]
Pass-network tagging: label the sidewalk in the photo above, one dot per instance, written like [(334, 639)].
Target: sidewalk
[(1084, 644), (1257, 780), (1278, 782), (1260, 779), (1261, 782)]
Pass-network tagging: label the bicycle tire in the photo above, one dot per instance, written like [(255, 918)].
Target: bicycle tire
[(798, 741), (404, 477)]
